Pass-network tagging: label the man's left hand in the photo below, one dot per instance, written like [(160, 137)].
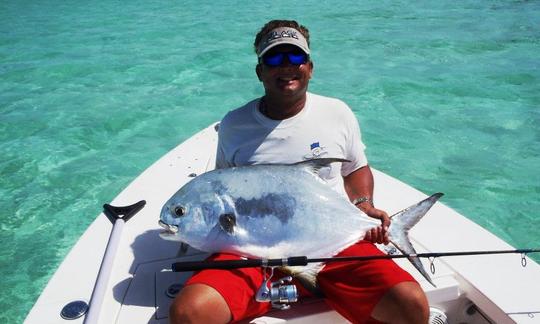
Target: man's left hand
[(378, 234)]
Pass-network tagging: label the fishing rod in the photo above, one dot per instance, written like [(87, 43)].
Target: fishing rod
[(283, 292), (304, 260)]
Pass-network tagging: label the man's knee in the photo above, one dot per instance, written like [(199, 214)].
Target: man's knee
[(184, 310), (404, 303), (418, 300), (199, 304), (414, 303)]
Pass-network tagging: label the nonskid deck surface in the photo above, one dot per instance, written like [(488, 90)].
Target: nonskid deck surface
[(469, 289)]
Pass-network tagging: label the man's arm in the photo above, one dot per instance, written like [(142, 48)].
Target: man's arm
[(359, 184)]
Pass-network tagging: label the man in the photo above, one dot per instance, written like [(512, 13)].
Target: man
[(288, 125)]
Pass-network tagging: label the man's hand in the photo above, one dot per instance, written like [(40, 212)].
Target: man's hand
[(360, 184), (378, 234)]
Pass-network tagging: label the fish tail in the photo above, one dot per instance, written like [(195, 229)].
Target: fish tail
[(402, 222)]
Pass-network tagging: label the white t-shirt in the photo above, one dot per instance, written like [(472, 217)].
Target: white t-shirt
[(324, 128)]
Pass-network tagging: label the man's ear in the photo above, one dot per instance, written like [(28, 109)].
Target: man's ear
[(258, 71)]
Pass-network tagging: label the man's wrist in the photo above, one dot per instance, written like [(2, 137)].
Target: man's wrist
[(364, 203)]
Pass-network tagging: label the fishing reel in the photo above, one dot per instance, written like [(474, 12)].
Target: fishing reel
[(280, 293)]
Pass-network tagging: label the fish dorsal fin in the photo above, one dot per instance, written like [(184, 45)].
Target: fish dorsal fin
[(315, 165)]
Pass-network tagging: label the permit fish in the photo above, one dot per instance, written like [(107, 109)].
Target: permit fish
[(277, 211)]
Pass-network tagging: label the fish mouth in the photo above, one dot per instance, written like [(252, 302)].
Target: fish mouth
[(169, 229)]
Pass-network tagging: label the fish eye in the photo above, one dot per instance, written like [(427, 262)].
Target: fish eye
[(179, 211)]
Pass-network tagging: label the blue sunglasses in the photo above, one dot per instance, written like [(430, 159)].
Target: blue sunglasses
[(276, 59)]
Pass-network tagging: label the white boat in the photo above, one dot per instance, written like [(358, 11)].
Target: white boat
[(469, 289)]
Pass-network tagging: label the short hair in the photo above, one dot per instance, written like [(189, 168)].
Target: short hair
[(273, 24)]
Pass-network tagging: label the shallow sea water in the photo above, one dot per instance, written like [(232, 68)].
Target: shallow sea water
[(447, 94)]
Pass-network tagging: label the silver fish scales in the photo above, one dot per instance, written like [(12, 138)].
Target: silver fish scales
[(276, 211)]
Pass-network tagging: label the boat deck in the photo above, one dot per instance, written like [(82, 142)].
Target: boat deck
[(481, 289)]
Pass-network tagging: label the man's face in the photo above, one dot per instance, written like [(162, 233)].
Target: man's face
[(287, 79)]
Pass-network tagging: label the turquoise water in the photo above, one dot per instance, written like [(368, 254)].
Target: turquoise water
[(447, 93)]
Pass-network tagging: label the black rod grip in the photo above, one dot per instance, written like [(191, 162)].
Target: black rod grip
[(235, 264), (297, 261), (224, 264)]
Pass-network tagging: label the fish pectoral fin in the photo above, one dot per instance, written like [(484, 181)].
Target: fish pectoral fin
[(227, 222)]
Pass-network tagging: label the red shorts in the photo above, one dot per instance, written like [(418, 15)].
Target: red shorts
[(353, 289)]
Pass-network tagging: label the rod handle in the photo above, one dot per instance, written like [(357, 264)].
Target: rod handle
[(235, 264)]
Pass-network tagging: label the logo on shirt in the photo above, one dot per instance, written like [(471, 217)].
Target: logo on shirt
[(316, 151)]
